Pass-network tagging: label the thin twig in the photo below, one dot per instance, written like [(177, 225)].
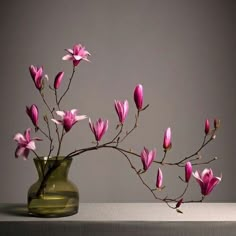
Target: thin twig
[(68, 87)]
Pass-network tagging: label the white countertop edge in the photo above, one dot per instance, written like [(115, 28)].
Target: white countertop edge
[(133, 212)]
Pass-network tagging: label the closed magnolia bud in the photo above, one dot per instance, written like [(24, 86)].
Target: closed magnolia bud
[(58, 79), (138, 96), (159, 178), (167, 139), (207, 127), (178, 204), (216, 123), (188, 171)]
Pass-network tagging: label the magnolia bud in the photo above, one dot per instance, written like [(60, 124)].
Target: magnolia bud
[(138, 96), (188, 171), (159, 178), (167, 139), (58, 79), (216, 123), (207, 127)]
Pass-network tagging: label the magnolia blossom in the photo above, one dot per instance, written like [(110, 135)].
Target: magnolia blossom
[(159, 178), (99, 128), (33, 113), (58, 79), (207, 127), (122, 109), (138, 96), (25, 144), (37, 76), (206, 180), (188, 171), (69, 118), (77, 54), (167, 139), (147, 157)]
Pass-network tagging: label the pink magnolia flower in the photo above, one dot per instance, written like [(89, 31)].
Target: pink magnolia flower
[(138, 96), (122, 109), (147, 157), (99, 128), (33, 113), (25, 144), (206, 180), (58, 79), (207, 127), (69, 118), (37, 76), (77, 54), (167, 139), (188, 171), (159, 178)]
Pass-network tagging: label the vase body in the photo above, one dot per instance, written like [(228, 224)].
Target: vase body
[(53, 195)]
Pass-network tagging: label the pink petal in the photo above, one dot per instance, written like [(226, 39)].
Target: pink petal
[(67, 124), (204, 172), (214, 181), (91, 125), (69, 50), (58, 122), (126, 107), (76, 49), (74, 111), (19, 138), (31, 145), (67, 57), (60, 113), (33, 71), (27, 134), (82, 117), (26, 154), (105, 127), (197, 176), (77, 57), (19, 151)]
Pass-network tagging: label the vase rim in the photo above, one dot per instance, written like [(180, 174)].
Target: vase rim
[(53, 158)]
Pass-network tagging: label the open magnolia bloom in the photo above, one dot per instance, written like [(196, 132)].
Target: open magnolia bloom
[(25, 144), (77, 54), (206, 180), (122, 108), (99, 128), (69, 118), (146, 158)]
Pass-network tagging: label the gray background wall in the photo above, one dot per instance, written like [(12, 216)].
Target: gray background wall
[(183, 52)]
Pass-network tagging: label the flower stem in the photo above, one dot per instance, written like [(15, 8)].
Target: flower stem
[(68, 87)]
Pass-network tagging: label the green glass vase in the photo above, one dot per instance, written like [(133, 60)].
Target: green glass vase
[(53, 195)]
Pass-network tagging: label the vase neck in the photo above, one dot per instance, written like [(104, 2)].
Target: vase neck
[(61, 172)]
